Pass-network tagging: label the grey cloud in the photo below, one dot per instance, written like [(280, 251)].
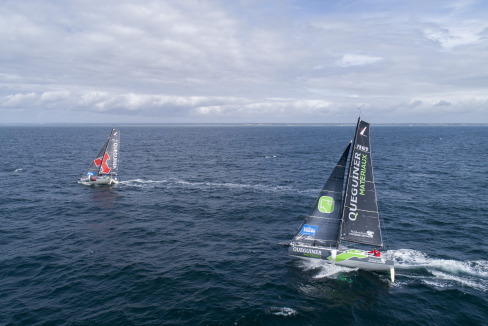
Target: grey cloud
[(242, 61)]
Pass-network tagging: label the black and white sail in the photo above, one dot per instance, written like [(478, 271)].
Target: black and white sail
[(322, 225), (361, 222), (106, 163), (349, 215)]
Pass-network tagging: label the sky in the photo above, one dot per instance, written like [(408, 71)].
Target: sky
[(243, 61)]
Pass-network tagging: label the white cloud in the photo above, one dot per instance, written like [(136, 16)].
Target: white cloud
[(18, 100), (349, 60), (191, 61), (54, 96), (457, 35)]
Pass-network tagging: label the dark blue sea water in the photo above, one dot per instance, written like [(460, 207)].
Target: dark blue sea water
[(196, 232)]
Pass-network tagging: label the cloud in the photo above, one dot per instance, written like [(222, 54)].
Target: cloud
[(217, 61), (452, 36), (54, 96), (349, 60), (18, 100)]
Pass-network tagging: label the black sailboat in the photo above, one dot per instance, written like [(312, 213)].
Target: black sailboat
[(104, 168), (346, 216)]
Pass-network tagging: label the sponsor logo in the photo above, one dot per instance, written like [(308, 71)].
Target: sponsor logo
[(353, 199), (367, 234), (358, 183), (99, 161), (362, 177), (116, 154), (363, 131), (307, 251), (90, 173), (309, 230), (326, 204)]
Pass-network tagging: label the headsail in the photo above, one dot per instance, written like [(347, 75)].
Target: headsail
[(360, 216), (106, 162), (322, 225)]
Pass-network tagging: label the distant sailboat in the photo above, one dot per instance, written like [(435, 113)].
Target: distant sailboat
[(351, 216), (104, 168)]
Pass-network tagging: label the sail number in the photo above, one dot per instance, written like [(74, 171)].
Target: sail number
[(362, 148)]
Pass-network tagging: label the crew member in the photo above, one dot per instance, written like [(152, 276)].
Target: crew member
[(375, 252)]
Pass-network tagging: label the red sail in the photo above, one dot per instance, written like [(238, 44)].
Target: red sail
[(105, 168)]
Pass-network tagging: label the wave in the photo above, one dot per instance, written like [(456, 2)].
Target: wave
[(442, 273), (283, 311), (412, 266)]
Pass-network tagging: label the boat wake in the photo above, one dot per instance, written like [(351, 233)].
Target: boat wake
[(324, 269), (414, 265), (178, 183), (140, 183)]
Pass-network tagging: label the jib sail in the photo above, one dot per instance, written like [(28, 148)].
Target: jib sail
[(360, 215), (322, 225)]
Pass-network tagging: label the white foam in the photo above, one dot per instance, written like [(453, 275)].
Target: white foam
[(324, 269), (283, 311), (446, 272), (449, 279), (18, 170), (174, 182), (408, 258), (206, 185), (140, 183)]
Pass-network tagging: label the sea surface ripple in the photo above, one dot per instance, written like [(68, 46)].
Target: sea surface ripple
[(196, 232)]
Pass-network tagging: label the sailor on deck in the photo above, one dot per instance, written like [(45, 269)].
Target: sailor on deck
[(375, 252)]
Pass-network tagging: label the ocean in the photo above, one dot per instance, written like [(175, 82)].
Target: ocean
[(196, 232)]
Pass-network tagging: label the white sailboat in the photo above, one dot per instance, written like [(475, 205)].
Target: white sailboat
[(346, 216), (104, 168)]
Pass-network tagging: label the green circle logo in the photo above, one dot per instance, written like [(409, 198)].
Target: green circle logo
[(326, 204)]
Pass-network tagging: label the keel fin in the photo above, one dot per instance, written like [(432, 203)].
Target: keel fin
[(392, 274)]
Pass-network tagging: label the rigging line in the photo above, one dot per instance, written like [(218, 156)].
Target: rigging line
[(326, 218), (336, 192), (364, 210), (387, 239)]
